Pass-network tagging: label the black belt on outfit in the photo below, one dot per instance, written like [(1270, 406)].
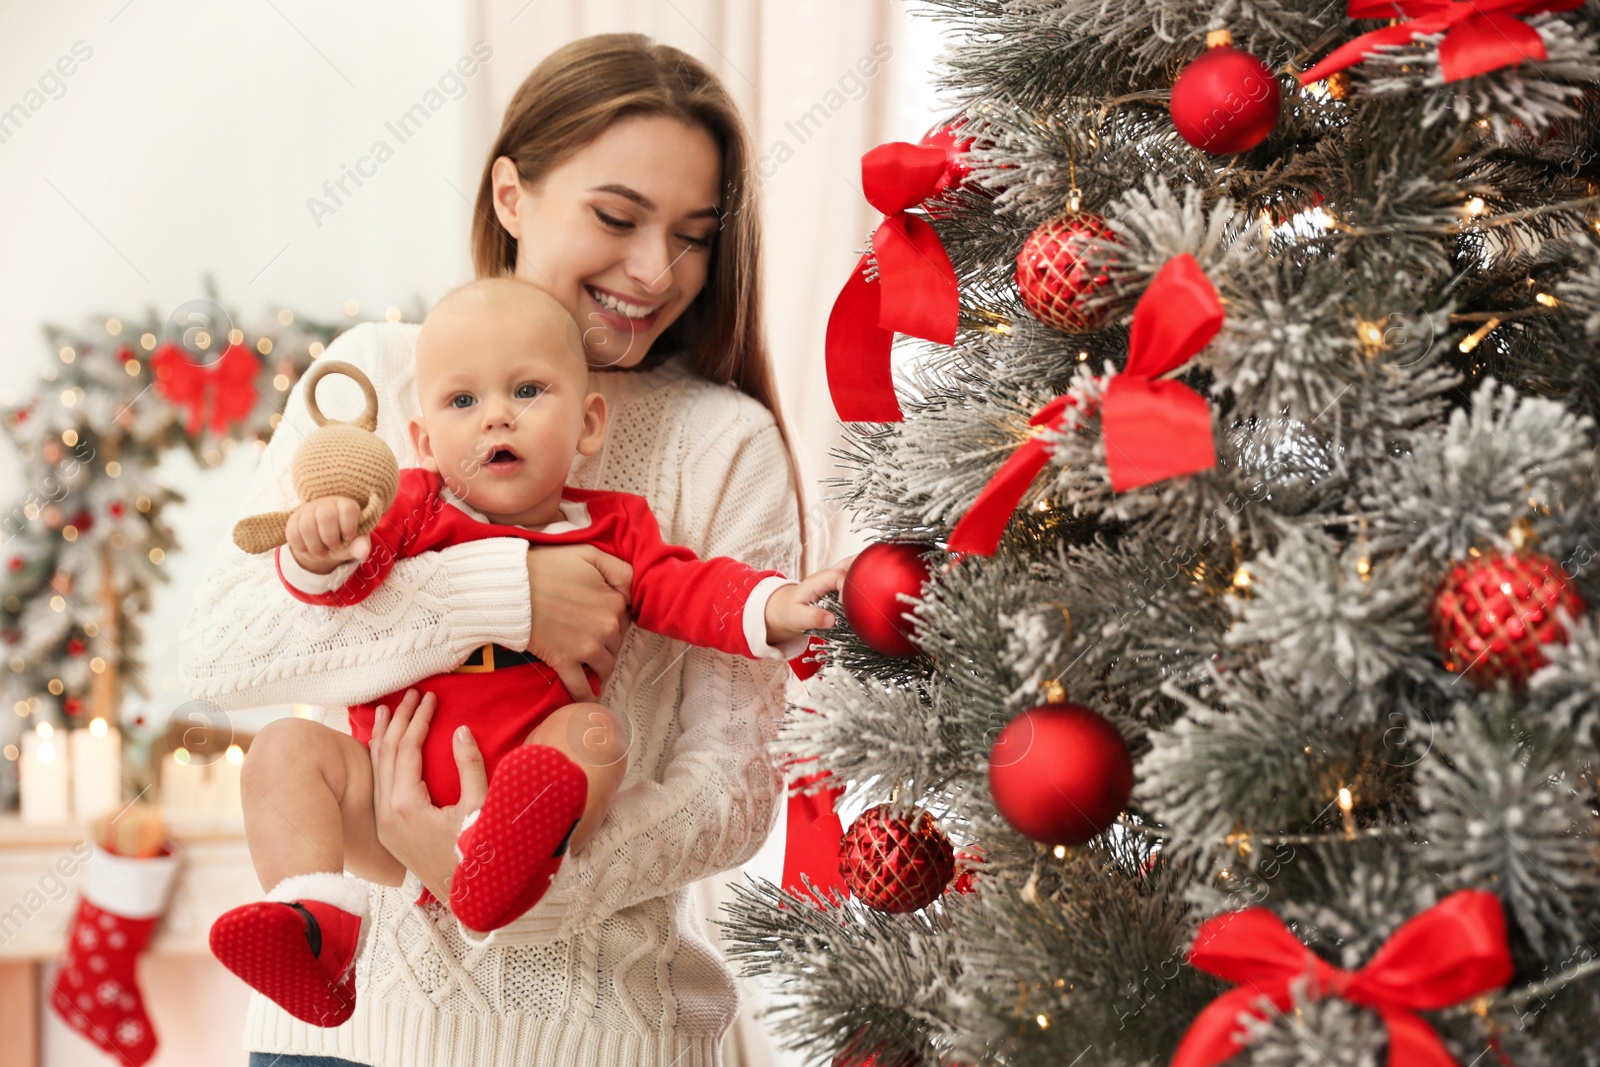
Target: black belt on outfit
[(495, 658)]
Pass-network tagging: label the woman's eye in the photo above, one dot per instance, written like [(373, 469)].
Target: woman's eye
[(461, 400), (615, 223), (529, 391), (698, 242)]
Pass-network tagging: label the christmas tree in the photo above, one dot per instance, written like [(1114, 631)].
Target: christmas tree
[(1221, 685)]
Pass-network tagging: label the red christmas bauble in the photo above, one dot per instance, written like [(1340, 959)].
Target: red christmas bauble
[(16, 564), (72, 705), (76, 647), (893, 864), (1226, 101), (1053, 279), (856, 1056), (1493, 614), (1060, 773), (115, 509), (82, 520), (872, 589)]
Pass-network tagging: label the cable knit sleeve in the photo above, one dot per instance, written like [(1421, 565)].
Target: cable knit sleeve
[(715, 802), (246, 641)]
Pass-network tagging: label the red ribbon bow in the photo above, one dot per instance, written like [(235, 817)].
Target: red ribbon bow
[(813, 830), (1480, 35), (1453, 951), (227, 387), (1153, 429), (915, 292)]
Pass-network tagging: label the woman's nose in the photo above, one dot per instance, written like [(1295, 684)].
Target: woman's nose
[(650, 264)]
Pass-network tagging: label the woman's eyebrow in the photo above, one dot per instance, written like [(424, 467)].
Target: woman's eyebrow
[(650, 205)]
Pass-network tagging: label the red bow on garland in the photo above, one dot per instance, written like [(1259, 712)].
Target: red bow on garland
[(227, 387), (915, 291), (1153, 429), (1453, 951), (1480, 35)]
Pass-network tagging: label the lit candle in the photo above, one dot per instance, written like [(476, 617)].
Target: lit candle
[(225, 787), (42, 778), (183, 783), (96, 770)]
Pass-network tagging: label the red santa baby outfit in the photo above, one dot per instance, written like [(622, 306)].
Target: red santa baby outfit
[(716, 603)]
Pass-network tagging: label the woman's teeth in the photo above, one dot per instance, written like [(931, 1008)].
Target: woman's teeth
[(621, 307)]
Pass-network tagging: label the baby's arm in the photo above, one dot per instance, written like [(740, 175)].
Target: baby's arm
[(791, 609)]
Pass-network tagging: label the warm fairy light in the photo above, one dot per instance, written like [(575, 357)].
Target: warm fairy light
[(1476, 206), (55, 687), (1371, 333), (1364, 566), (1475, 338), (1321, 218), (97, 726), (113, 326), (202, 340), (69, 532), (1346, 801), (351, 307), (264, 346), (67, 354), (285, 316), (142, 503), (234, 755), (11, 752), (1082, 357), (44, 730), (1547, 300), (1241, 578), (1043, 1020), (69, 437), (113, 469), (157, 556), (21, 707), (17, 665), (58, 604), (69, 397), (181, 755), (147, 342), (132, 367), (391, 314), (1061, 852), (1043, 505), (280, 382), (97, 665), (315, 349)]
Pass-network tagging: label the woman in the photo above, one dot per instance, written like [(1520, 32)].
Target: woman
[(620, 183)]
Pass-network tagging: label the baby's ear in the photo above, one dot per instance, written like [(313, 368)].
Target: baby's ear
[(421, 445), (594, 425)]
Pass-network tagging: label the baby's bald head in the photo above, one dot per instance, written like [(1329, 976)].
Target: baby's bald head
[(506, 313)]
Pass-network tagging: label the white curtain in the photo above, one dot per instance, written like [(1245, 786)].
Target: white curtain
[(819, 82)]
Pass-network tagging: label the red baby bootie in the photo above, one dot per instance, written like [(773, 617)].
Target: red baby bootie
[(298, 947), (511, 848)]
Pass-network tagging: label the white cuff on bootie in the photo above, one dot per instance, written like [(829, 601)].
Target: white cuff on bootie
[(326, 887)]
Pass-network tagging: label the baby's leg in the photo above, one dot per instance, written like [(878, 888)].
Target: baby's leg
[(307, 792), (597, 740)]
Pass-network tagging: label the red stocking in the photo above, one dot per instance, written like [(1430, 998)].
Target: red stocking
[(95, 990)]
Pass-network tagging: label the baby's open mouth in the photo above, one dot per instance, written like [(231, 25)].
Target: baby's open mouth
[(501, 455)]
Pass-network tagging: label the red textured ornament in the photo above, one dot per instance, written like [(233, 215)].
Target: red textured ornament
[(1493, 614), (1060, 773), (1053, 279), (76, 647), (16, 564), (854, 1055), (1226, 101), (872, 589), (115, 509), (72, 706), (82, 520), (896, 865)]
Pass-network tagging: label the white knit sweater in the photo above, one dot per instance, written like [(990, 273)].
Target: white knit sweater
[(610, 968)]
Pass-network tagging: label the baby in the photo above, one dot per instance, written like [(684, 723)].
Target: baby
[(503, 391)]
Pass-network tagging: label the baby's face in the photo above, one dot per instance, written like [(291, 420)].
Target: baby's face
[(505, 407)]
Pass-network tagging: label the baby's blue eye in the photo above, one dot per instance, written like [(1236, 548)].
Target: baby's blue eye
[(461, 400), (528, 391)]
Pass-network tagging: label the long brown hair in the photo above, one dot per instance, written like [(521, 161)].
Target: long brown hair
[(572, 97)]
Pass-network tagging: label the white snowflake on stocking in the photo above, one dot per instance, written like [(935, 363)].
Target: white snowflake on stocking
[(87, 937), (107, 921), (97, 964), (130, 1032), (108, 992), (116, 939)]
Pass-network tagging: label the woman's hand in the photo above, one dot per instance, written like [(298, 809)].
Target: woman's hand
[(579, 596), (421, 835)]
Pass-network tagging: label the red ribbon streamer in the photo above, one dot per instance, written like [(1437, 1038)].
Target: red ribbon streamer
[(813, 830), (1449, 953), (227, 388), (1480, 35), (1153, 429), (915, 291)]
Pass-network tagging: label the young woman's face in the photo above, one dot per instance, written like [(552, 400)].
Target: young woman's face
[(620, 232)]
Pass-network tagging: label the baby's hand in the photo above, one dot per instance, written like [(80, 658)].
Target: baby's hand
[(791, 609), (322, 534)]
